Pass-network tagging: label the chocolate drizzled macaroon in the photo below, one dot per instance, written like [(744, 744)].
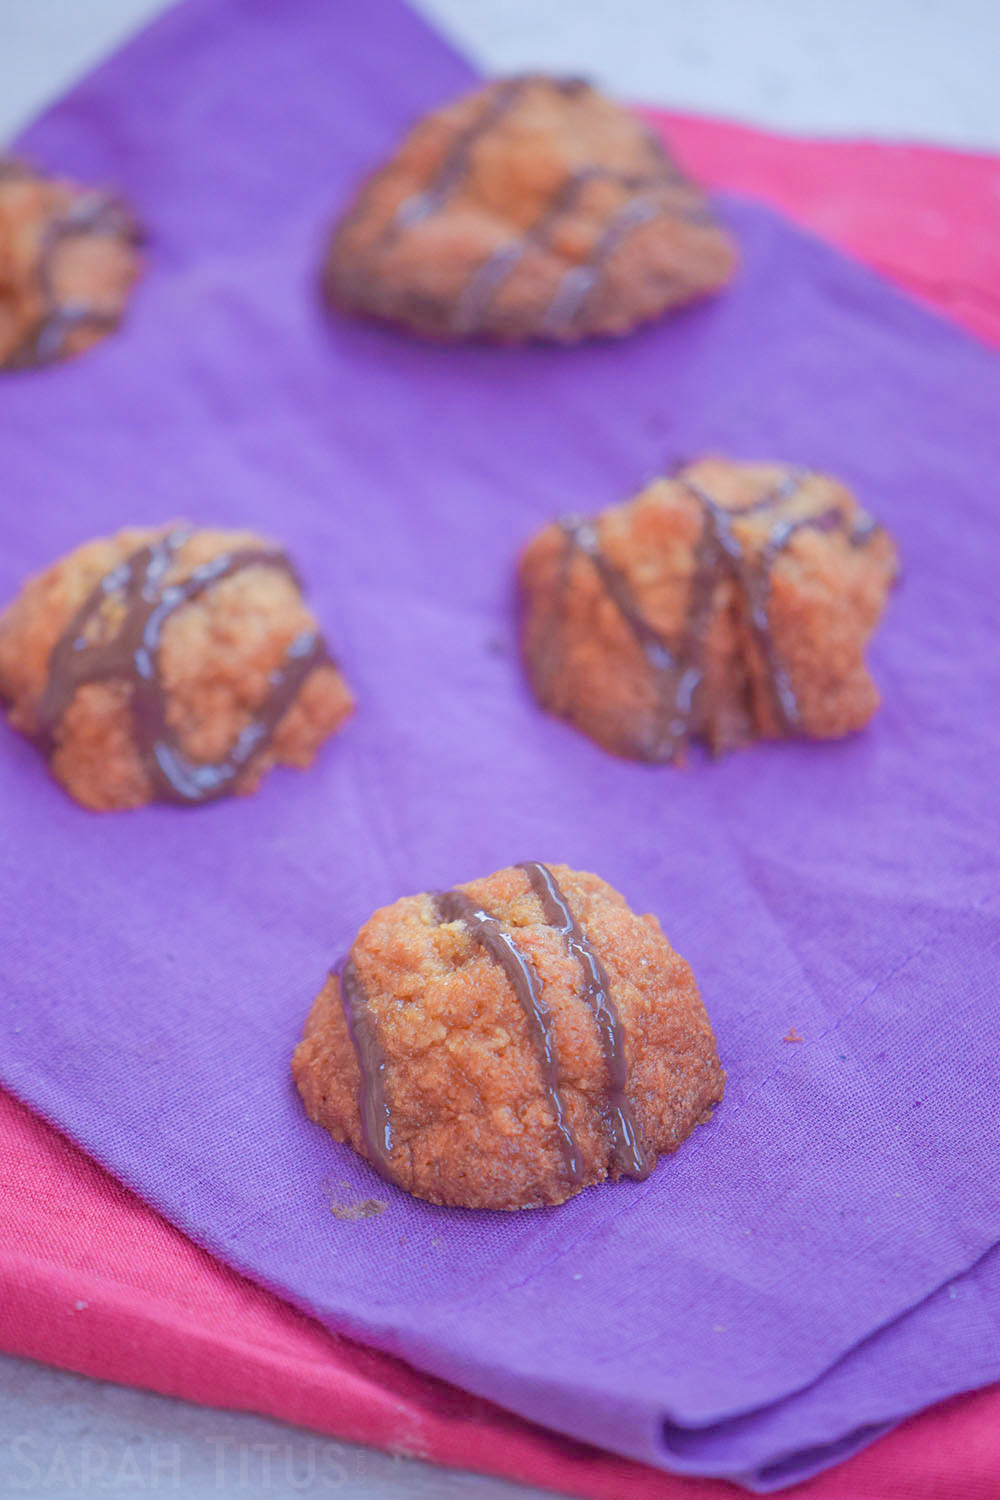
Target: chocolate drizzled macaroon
[(68, 258), (509, 1042), (533, 208), (168, 665), (730, 602)]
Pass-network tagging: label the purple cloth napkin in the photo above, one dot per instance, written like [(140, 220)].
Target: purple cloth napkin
[(156, 967)]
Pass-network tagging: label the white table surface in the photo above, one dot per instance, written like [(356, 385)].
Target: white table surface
[(895, 69)]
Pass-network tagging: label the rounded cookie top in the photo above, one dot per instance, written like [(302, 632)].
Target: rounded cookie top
[(168, 664), (68, 259), (504, 1044), (730, 602), (533, 208)]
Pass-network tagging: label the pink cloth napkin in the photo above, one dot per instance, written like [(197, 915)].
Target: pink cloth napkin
[(929, 219)]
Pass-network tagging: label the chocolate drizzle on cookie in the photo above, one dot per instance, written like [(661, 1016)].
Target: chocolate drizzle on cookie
[(665, 191), (454, 165), (139, 588), (490, 934), (376, 1120), (678, 666), (578, 281), (629, 1154), (662, 191), (486, 280), (92, 214), (89, 214), (448, 177)]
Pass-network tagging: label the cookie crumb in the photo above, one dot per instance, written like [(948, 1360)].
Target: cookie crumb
[(368, 1208)]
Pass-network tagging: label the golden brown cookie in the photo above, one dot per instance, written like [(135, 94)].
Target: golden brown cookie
[(731, 602), (168, 665), (509, 1042), (533, 208), (68, 258)]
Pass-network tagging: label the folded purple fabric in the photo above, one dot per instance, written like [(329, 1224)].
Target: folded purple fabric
[(157, 967), (946, 1345)]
